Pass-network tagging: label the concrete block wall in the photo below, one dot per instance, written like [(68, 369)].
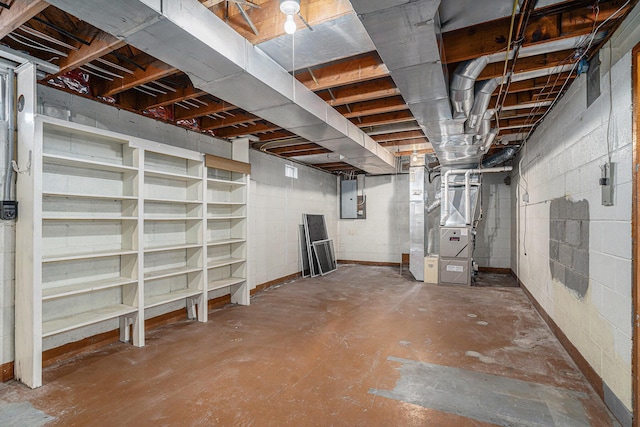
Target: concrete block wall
[(275, 211), (493, 238), (276, 205), (384, 235), (562, 162)]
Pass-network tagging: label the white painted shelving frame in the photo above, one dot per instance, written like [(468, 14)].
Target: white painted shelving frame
[(112, 225)]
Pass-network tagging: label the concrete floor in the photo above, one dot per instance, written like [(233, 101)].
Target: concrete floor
[(359, 347)]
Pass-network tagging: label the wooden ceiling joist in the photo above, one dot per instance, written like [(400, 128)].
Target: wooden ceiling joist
[(385, 119), (181, 94), (307, 152), (204, 110), (404, 142), (537, 62), (20, 11), (359, 92), (238, 118), (294, 148), (378, 106), (398, 136), (539, 83), (276, 136), (256, 129), (101, 45), (491, 37), (268, 19), (156, 70), (343, 73)]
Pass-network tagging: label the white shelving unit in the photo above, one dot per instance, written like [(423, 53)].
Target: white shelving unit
[(111, 226), (226, 231)]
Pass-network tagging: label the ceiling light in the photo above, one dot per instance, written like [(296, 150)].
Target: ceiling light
[(414, 155), (290, 8)]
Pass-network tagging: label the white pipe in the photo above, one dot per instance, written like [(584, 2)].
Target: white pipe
[(467, 182)]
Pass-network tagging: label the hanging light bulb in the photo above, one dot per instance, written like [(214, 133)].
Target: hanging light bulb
[(290, 25), (290, 8), (414, 155)]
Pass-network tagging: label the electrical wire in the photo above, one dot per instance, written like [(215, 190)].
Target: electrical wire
[(34, 44), (584, 53)]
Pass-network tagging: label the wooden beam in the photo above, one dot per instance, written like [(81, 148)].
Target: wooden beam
[(181, 94), (335, 166), (223, 163), (103, 44), (256, 129), (491, 37), (237, 119), (276, 136), (20, 12), (294, 148), (153, 71), (343, 73), (378, 106), (398, 136), (539, 83), (195, 112), (404, 142), (307, 152), (365, 91), (384, 119), (269, 20), (530, 63)]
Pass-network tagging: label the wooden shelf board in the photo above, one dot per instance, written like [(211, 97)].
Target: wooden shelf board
[(226, 217), (68, 323), (157, 300), (227, 203), (223, 283), (48, 217), (58, 159), (87, 196), (172, 247), (170, 272), (226, 182), (88, 255), (173, 201), (86, 287), (224, 262), (225, 242), (172, 218), (178, 176)]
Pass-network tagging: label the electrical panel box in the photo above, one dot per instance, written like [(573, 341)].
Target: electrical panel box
[(606, 183), (8, 210), (455, 271), (349, 199), (454, 242)]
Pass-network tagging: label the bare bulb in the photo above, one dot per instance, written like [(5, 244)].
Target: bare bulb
[(290, 26)]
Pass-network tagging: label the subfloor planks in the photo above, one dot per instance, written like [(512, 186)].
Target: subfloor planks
[(343, 349)]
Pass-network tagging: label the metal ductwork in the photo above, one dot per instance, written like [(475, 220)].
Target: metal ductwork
[(481, 103), (406, 35), (463, 86), (499, 158), (186, 35)]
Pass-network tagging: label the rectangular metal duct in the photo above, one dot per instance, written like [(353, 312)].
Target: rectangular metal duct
[(186, 35)]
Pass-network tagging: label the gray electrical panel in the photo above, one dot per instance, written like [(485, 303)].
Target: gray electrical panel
[(349, 199)]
